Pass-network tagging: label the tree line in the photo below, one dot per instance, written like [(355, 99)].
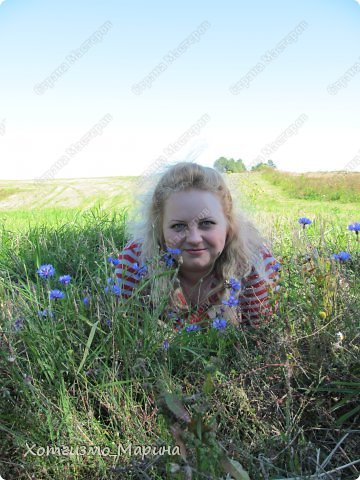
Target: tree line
[(229, 165)]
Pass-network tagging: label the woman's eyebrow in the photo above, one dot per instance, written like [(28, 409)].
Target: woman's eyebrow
[(192, 220)]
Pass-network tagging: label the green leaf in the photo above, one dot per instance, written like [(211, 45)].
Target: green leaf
[(174, 404), (234, 468), (347, 415), (88, 345)]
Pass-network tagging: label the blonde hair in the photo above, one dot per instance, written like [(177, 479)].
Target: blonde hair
[(242, 252)]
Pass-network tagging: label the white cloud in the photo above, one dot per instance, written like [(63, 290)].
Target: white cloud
[(357, 1), (2, 1)]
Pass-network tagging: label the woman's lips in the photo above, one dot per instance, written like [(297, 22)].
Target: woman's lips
[(195, 252)]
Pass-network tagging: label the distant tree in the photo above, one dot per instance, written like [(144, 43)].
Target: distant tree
[(271, 164), (229, 165), (262, 165)]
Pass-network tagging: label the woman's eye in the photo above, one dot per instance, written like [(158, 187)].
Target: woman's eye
[(178, 226), (207, 223)]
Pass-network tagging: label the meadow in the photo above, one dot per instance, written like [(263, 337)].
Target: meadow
[(93, 386)]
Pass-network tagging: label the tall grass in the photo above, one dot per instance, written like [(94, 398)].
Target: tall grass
[(247, 402), (340, 187)]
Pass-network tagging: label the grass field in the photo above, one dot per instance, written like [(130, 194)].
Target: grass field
[(276, 402)]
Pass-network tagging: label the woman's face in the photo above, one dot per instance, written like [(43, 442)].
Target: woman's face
[(195, 223)]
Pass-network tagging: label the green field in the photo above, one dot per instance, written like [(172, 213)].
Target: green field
[(276, 402)]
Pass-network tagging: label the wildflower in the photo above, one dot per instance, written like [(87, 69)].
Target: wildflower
[(18, 324), (45, 313), (166, 344), (339, 339), (116, 289), (231, 302), (86, 301), (114, 261), (322, 315), (355, 227), (342, 256), (109, 323), (46, 271), (173, 251), (276, 267), (219, 323), (54, 294), (140, 271), (192, 328), (170, 262), (304, 221), (234, 284), (65, 279)]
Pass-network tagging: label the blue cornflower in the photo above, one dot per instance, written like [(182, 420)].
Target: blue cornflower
[(169, 260), (86, 301), (234, 284), (173, 251), (304, 221), (45, 313), (54, 294), (276, 267), (166, 344), (219, 323), (355, 227), (18, 324), (65, 279), (116, 289), (192, 328), (231, 302), (140, 271), (46, 271), (342, 256), (114, 261)]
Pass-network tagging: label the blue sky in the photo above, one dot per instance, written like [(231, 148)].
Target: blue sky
[(224, 42)]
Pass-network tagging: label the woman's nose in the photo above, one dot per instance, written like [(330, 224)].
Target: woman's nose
[(193, 235)]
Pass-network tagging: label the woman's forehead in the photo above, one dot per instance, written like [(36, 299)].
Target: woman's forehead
[(192, 203)]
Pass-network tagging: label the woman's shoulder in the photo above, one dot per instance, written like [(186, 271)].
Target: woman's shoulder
[(262, 266)]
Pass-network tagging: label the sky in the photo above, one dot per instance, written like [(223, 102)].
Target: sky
[(115, 88)]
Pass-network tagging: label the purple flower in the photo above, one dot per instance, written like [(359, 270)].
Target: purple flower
[(45, 313), (54, 294), (46, 271), (140, 271), (65, 279), (109, 323), (116, 290), (219, 323), (342, 256), (18, 324), (173, 251), (192, 328), (304, 221), (114, 261), (86, 301), (234, 284), (355, 227), (231, 302), (170, 262), (166, 344), (276, 267)]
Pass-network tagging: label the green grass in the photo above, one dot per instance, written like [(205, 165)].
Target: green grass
[(98, 375), (341, 187)]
